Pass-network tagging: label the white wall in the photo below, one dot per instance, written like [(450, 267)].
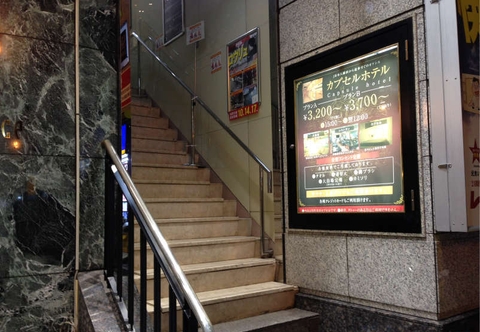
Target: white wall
[(224, 21)]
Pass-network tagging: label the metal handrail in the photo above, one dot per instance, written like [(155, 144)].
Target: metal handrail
[(230, 132), (158, 244)]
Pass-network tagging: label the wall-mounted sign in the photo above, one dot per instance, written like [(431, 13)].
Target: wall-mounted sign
[(348, 122), (195, 32), (243, 75), (126, 86), (349, 112), (173, 20)]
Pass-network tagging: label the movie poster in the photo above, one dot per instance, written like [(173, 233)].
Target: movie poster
[(348, 133), (243, 75)]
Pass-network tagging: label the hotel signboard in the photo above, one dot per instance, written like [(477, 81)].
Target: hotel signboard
[(351, 136)]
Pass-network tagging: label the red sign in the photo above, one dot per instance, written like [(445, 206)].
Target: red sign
[(126, 95)]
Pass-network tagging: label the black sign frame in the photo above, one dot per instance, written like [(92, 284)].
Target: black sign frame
[(408, 221), (173, 20)]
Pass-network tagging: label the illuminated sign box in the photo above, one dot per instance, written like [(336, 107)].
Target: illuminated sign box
[(352, 158)]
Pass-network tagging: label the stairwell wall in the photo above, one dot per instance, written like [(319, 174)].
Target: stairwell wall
[(37, 194), (224, 21)]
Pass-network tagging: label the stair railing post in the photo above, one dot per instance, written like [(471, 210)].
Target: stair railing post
[(194, 97), (192, 142), (139, 78), (264, 252), (262, 211)]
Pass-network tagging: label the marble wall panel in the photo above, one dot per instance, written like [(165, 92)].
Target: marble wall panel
[(52, 20), (37, 193), (98, 102), (98, 29), (317, 262), (37, 222), (458, 274), (48, 20), (36, 84), (356, 15), (306, 25), (92, 216), (397, 272), (37, 303)]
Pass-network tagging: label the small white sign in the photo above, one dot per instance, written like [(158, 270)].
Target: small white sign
[(195, 32), (216, 62)]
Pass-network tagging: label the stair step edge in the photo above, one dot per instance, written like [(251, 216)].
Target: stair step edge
[(156, 139), (262, 322), (185, 200), (150, 125), (179, 182), (234, 264), (235, 293), (206, 241), (196, 220), (146, 108), (181, 153), (165, 165)]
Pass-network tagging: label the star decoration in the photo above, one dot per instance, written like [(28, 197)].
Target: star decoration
[(476, 152)]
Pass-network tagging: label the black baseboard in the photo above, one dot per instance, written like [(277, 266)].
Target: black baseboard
[(338, 316)]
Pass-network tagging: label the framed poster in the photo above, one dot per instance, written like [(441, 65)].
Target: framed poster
[(243, 75), (173, 20), (352, 162)]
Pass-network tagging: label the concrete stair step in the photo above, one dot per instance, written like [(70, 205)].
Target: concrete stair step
[(156, 158), (143, 110), (235, 303), (143, 171), (162, 208), (217, 275), (191, 228), (141, 101), (278, 223), (277, 192), (277, 206), (278, 247), (143, 121), (291, 320), (277, 176), (279, 275), (157, 145), (194, 251), (177, 189), (155, 133)]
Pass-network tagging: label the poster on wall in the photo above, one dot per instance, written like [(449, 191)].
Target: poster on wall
[(173, 20), (348, 133), (468, 42), (243, 75), (216, 62)]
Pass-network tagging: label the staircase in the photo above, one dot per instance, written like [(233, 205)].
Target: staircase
[(215, 248)]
